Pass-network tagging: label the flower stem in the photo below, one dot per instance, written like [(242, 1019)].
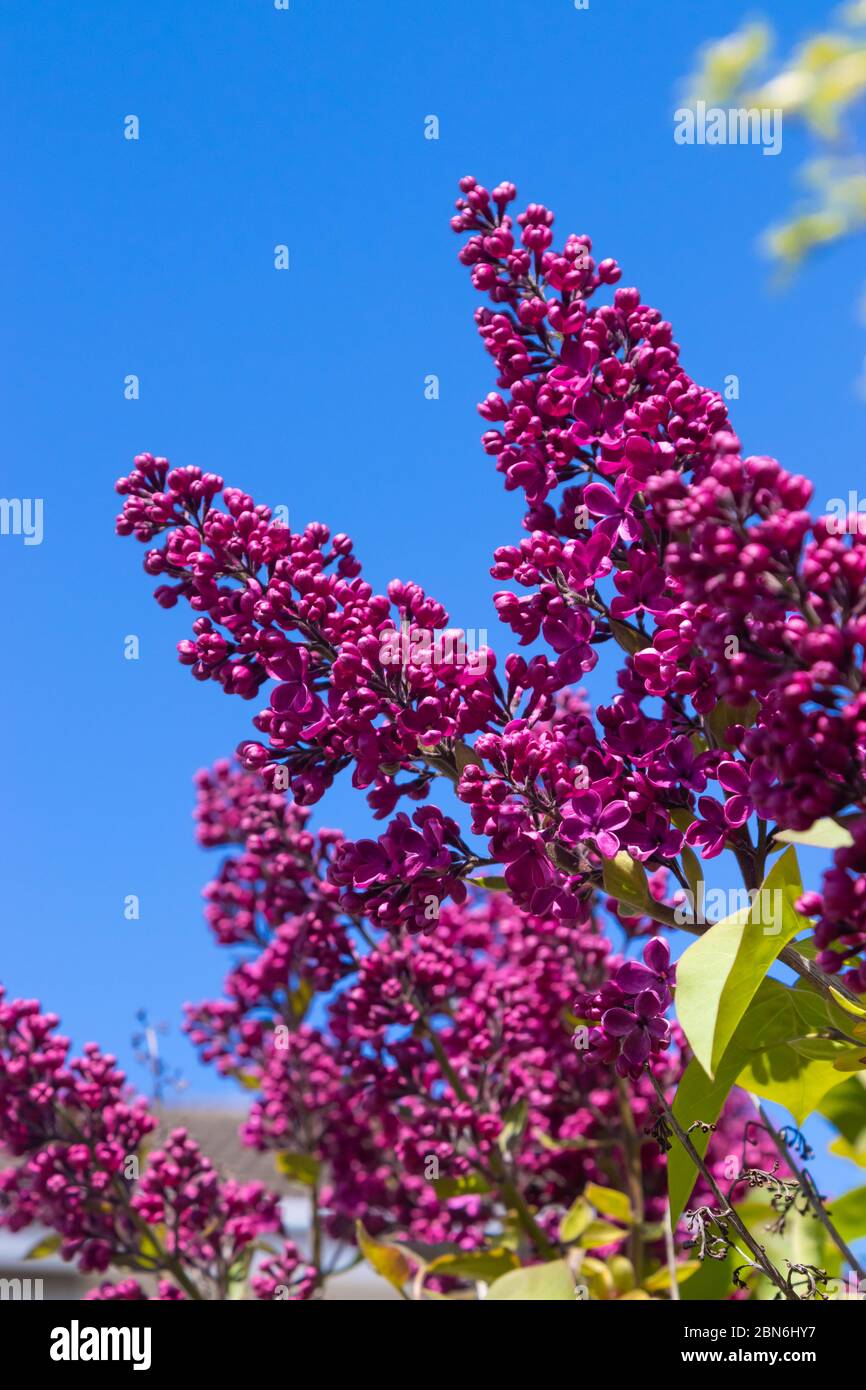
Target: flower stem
[(808, 1188), (759, 1253)]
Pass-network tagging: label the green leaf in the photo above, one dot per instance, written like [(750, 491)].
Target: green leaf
[(661, 1279), (494, 882), (788, 1075), (147, 1246), (694, 875), (476, 1264), (824, 834), (465, 756), (576, 1220), (387, 1260), (549, 1283), (773, 1017), (817, 1048), (463, 1186), (49, 1245), (609, 1202), (621, 1269), (558, 1145), (625, 879), (600, 1233), (758, 1058), (301, 999), (718, 976), (514, 1123), (699, 1098), (845, 1108), (629, 638), (854, 1152), (852, 1059), (300, 1167), (847, 1004), (848, 1214), (713, 1282), (723, 715)]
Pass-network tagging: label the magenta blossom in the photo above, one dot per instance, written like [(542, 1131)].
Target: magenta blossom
[(587, 819)]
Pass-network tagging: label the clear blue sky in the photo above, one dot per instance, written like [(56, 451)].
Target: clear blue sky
[(155, 257)]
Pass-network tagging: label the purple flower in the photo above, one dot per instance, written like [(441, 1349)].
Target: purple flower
[(639, 1028), (586, 819), (641, 586), (293, 696), (711, 832), (680, 765), (614, 507), (569, 636), (656, 973), (735, 780), (529, 869)]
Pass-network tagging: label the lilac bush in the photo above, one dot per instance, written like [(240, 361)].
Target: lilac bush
[(465, 1036)]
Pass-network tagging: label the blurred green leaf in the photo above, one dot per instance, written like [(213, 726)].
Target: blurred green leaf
[(548, 1283), (610, 1202), (300, 1167), (464, 1186), (387, 1260)]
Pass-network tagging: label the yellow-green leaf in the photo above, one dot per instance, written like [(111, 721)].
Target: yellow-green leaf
[(856, 1152), (465, 756), (847, 1004), (301, 999), (462, 1186), (694, 875), (723, 715), (788, 1075), (300, 1167), (775, 1014), (661, 1279), (845, 1108), (824, 834), (629, 638), (49, 1245), (609, 1202), (548, 1283), (576, 1220), (476, 1264), (387, 1260), (625, 879), (600, 1233), (719, 975), (848, 1214)]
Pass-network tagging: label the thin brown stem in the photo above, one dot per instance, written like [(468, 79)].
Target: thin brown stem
[(725, 1209), (634, 1177), (808, 1188)]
